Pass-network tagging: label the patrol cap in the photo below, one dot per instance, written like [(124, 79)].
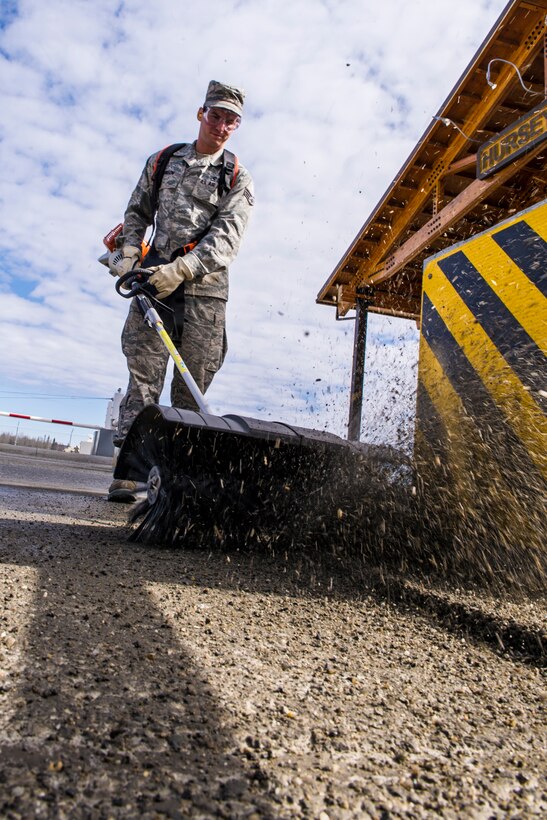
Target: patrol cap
[(224, 96)]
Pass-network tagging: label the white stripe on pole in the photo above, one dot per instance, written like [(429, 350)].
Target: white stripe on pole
[(51, 421)]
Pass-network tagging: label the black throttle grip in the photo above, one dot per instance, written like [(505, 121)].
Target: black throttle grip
[(135, 281)]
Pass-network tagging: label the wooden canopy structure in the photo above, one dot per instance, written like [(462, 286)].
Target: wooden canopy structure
[(438, 197)]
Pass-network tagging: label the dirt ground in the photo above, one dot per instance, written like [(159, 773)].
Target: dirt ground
[(146, 682)]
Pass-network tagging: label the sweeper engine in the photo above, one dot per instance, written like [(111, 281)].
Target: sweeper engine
[(229, 480)]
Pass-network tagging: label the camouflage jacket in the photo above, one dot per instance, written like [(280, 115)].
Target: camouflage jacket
[(188, 205)]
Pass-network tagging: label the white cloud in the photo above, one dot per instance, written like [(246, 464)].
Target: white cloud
[(337, 95)]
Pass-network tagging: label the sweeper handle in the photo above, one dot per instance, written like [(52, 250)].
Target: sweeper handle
[(135, 284)]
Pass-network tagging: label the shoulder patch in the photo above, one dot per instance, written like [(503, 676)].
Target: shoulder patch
[(248, 196)]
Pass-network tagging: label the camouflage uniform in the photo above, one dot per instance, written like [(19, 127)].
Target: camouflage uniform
[(189, 206)]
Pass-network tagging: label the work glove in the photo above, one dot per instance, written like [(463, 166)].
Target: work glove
[(167, 278), (124, 260)]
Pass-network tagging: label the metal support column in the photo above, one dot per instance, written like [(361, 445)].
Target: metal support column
[(358, 370)]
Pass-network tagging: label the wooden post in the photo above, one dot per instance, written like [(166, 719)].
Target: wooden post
[(358, 370)]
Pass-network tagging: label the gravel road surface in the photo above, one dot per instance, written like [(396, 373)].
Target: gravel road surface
[(146, 682)]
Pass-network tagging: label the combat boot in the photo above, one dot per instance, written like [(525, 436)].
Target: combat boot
[(124, 492)]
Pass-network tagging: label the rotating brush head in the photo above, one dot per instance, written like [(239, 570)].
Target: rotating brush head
[(213, 484)]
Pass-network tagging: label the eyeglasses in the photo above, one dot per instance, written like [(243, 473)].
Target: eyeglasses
[(216, 117)]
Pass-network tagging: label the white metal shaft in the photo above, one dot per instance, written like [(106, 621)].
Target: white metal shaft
[(152, 317)]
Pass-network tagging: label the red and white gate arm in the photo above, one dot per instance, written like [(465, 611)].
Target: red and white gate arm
[(51, 421)]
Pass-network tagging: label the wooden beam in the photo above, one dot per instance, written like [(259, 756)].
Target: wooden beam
[(398, 314), (408, 186), (462, 164), (438, 197), (379, 301), (395, 304), (474, 193), (345, 300)]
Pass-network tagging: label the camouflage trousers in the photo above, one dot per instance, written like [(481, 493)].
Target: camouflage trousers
[(202, 346)]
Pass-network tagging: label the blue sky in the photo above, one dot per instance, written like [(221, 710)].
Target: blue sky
[(337, 95)]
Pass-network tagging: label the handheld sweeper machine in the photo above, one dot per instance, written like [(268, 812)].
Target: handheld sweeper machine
[(231, 479)]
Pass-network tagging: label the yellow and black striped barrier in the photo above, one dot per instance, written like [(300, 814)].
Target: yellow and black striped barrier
[(481, 430)]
